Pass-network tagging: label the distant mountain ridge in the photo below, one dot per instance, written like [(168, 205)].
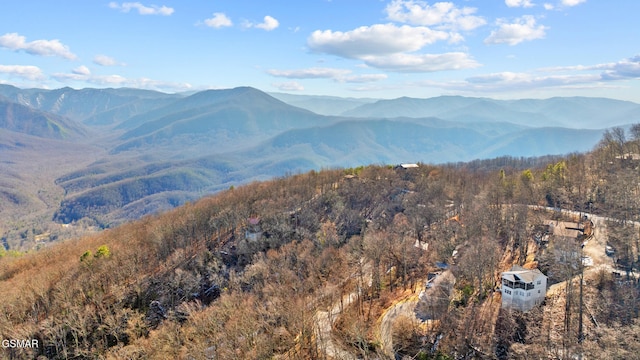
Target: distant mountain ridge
[(84, 104), (258, 111), (323, 105), (26, 120), (231, 119), (572, 112), (351, 143), (155, 151)]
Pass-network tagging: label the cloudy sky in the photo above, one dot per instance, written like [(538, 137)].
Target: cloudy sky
[(356, 48)]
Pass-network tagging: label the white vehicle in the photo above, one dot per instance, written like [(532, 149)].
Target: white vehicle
[(609, 250)]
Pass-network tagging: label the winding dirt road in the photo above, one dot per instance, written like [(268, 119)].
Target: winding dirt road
[(405, 307), (324, 324)]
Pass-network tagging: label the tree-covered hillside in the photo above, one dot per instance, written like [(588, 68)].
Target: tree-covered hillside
[(333, 264)]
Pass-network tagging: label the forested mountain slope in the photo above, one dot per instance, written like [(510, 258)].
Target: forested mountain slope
[(247, 273), (141, 152), (86, 104), (25, 120)]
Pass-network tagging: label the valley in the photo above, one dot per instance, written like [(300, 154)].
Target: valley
[(29, 194)]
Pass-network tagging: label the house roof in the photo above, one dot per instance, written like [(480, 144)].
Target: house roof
[(408, 166), (565, 228), (629, 156), (518, 273)]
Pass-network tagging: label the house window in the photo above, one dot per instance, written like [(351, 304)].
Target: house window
[(539, 282), (538, 291), (528, 286), (528, 294), (507, 291)]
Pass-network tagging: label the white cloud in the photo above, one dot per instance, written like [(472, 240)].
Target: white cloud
[(288, 86), (621, 70), (443, 15), (28, 72), (561, 4), (268, 24), (403, 62), (519, 3), (69, 77), (13, 41), (395, 47), (338, 75), (561, 77), (104, 60), (392, 47), (142, 9), (111, 80), (510, 80), (218, 21), (625, 69), (310, 73), (572, 2), (365, 78), (572, 68), (158, 85), (75, 75), (379, 39), (523, 29), (82, 74), (81, 70), (16, 42), (501, 77)]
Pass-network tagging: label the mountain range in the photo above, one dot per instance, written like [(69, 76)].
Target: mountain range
[(139, 151), (27, 120), (570, 112)]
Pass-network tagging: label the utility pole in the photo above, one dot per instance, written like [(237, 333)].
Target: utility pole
[(580, 329)]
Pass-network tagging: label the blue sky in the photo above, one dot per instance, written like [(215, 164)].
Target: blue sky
[(352, 48)]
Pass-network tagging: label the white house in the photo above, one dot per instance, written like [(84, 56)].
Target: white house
[(407, 166), (253, 232), (523, 289)]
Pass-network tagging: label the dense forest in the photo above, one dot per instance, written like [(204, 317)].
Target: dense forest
[(333, 264)]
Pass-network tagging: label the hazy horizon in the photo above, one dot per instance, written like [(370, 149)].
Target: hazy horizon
[(512, 49)]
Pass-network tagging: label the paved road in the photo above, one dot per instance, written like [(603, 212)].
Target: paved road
[(324, 319), (324, 325), (597, 219), (406, 307), (402, 308)]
